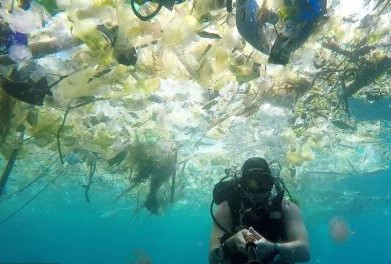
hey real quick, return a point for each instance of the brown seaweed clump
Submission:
(156, 164)
(152, 162)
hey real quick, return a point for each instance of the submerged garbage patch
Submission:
(162, 105)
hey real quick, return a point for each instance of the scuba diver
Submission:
(253, 222)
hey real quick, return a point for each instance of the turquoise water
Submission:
(61, 227)
(191, 105)
(54, 229)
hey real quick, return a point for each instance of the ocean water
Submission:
(196, 102)
(61, 227)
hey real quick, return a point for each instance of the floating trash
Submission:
(19, 53)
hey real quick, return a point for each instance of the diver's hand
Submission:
(237, 242)
(264, 247)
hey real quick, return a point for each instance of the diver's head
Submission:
(257, 180)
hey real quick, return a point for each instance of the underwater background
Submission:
(60, 227)
(113, 157)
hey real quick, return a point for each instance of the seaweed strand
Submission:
(89, 182)
(58, 135)
(30, 200)
(64, 119)
(7, 170)
(172, 198)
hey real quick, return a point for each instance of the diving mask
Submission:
(257, 190)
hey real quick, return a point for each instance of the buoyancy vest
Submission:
(266, 220)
